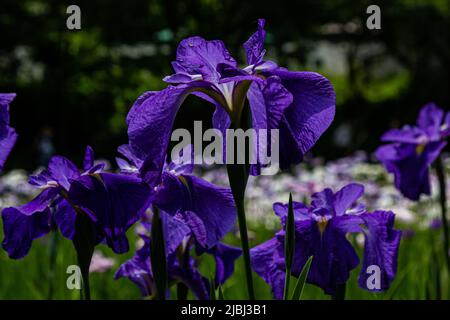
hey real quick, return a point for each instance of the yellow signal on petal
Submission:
(420, 148)
(322, 224)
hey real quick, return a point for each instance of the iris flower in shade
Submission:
(112, 201)
(180, 264)
(8, 135)
(207, 209)
(300, 104)
(321, 230)
(413, 149)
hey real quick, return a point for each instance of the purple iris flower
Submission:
(181, 266)
(414, 149)
(8, 135)
(207, 209)
(112, 201)
(300, 104)
(321, 230)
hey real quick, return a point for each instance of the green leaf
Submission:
(289, 246)
(220, 293)
(84, 243)
(158, 255)
(301, 280)
(212, 289)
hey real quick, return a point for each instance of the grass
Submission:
(29, 277)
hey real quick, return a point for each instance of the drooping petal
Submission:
(150, 123)
(212, 204)
(381, 249)
(23, 224)
(410, 166)
(138, 270)
(254, 46)
(267, 261)
(225, 256)
(334, 256)
(196, 55)
(115, 201)
(192, 278)
(65, 217)
(175, 231)
(268, 101)
(309, 115)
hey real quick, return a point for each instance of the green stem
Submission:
(287, 279)
(340, 292)
(238, 176)
(443, 202)
(84, 242)
(158, 255)
(53, 248)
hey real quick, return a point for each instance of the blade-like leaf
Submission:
(289, 246)
(301, 280)
(158, 255)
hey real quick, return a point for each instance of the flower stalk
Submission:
(158, 255)
(443, 203)
(84, 243)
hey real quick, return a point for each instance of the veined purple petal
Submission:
(225, 256)
(23, 224)
(267, 261)
(346, 197)
(430, 119)
(62, 170)
(254, 46)
(88, 160)
(150, 123)
(175, 231)
(8, 135)
(309, 115)
(117, 202)
(410, 166)
(213, 205)
(65, 217)
(405, 135)
(381, 248)
(196, 55)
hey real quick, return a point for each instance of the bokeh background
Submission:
(76, 87)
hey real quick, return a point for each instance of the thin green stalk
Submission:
(340, 292)
(443, 203)
(289, 247)
(84, 242)
(158, 255)
(53, 249)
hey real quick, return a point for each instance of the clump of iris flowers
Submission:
(8, 135)
(413, 149)
(320, 232)
(182, 268)
(88, 206)
(260, 95)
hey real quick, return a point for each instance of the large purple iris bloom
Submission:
(321, 230)
(300, 104)
(8, 135)
(209, 210)
(112, 201)
(181, 266)
(414, 149)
